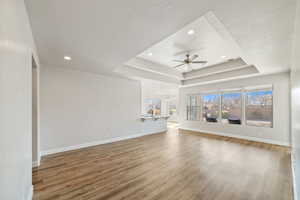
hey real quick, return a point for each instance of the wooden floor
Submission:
(173, 166)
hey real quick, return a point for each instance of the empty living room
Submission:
(149, 100)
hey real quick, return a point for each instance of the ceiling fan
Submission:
(188, 61)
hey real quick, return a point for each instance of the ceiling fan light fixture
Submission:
(150, 54)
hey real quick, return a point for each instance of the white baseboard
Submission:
(89, 144)
(269, 141)
(30, 193)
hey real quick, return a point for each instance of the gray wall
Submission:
(279, 134)
(16, 46)
(295, 105)
(79, 108)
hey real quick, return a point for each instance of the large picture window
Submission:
(251, 107)
(211, 107)
(193, 107)
(232, 108)
(259, 108)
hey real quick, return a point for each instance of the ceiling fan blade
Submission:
(199, 62)
(193, 57)
(179, 53)
(179, 65)
(181, 61)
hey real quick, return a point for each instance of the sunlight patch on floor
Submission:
(173, 125)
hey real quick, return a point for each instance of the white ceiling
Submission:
(211, 41)
(102, 35)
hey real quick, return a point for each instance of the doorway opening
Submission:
(35, 115)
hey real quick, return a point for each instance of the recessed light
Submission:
(191, 32)
(150, 54)
(67, 58)
(223, 57)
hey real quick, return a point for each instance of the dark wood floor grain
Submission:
(172, 166)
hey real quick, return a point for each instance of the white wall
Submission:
(279, 134)
(16, 48)
(80, 108)
(295, 105)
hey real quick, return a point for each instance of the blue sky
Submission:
(212, 97)
(259, 93)
(232, 95)
(254, 98)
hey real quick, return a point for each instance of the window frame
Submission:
(219, 102)
(244, 100)
(188, 106)
(246, 103)
(240, 91)
(152, 99)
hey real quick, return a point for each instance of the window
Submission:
(254, 107)
(152, 107)
(172, 109)
(193, 107)
(259, 108)
(211, 107)
(232, 108)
